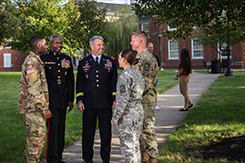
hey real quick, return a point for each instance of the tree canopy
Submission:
(41, 17)
(211, 16)
(9, 23)
(74, 21)
(123, 28)
(91, 21)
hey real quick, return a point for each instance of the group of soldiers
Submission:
(46, 89)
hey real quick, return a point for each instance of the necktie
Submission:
(97, 60)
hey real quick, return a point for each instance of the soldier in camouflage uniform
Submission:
(33, 99)
(128, 114)
(148, 67)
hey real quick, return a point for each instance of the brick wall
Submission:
(17, 58)
(238, 51)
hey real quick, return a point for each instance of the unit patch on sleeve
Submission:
(122, 88)
(147, 66)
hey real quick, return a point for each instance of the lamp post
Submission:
(228, 71)
(160, 56)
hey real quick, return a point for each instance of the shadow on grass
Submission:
(213, 131)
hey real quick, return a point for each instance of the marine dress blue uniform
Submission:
(60, 78)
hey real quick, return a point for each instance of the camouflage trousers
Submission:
(35, 136)
(148, 139)
(129, 139)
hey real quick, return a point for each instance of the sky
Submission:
(115, 1)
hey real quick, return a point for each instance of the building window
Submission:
(197, 49)
(173, 49)
(145, 28)
(7, 60)
(224, 51)
(172, 27)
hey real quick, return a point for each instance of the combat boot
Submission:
(144, 157)
(153, 160)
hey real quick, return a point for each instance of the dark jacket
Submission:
(60, 78)
(96, 84)
(158, 61)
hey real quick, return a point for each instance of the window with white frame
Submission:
(173, 49)
(7, 60)
(224, 50)
(145, 28)
(172, 27)
(197, 49)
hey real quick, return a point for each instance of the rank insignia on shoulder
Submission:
(80, 59)
(113, 58)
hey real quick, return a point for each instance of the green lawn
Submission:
(220, 113)
(12, 132)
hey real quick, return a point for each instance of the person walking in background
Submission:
(129, 114)
(183, 73)
(148, 67)
(33, 99)
(96, 92)
(60, 78)
(150, 48)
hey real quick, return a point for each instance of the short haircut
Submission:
(35, 40)
(142, 35)
(150, 43)
(55, 35)
(92, 39)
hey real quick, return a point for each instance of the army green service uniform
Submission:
(33, 100)
(148, 67)
(129, 114)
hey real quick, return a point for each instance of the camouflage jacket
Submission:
(33, 89)
(148, 67)
(130, 87)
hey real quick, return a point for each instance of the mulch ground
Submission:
(231, 149)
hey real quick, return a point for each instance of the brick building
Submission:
(170, 50)
(10, 60)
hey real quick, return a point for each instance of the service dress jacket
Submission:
(96, 83)
(60, 78)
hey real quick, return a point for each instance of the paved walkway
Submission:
(167, 119)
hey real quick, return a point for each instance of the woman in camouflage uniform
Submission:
(129, 114)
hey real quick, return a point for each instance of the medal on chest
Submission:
(86, 67)
(65, 63)
(108, 64)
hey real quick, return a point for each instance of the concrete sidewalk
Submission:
(167, 119)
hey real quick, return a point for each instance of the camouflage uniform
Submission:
(148, 67)
(32, 102)
(128, 114)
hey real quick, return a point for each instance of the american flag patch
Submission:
(30, 71)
